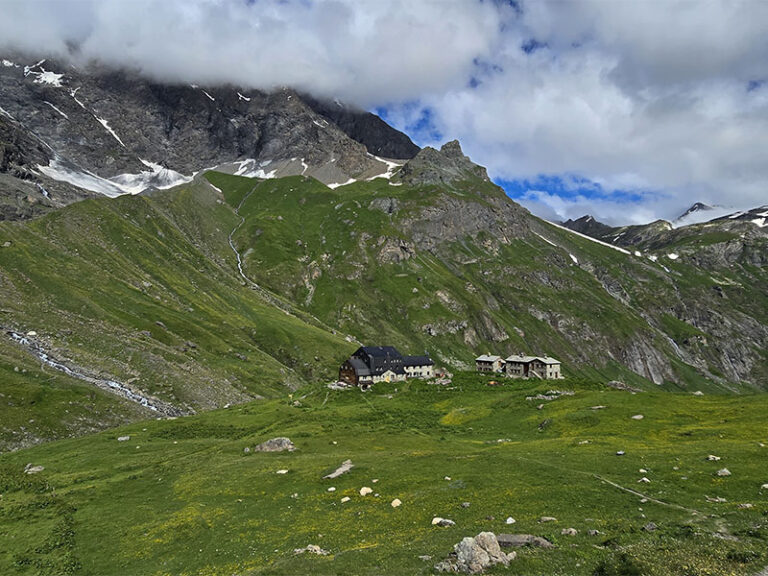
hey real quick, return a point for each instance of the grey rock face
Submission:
(106, 122)
(444, 166)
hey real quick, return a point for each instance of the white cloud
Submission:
(643, 96)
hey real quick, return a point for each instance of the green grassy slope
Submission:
(182, 497)
(120, 289)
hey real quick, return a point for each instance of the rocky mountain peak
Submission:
(441, 167)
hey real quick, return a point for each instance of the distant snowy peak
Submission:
(699, 213)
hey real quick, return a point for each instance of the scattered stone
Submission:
(650, 527)
(474, 555)
(7, 244)
(331, 489)
(280, 444)
(345, 467)
(375, 480)
(643, 480)
(583, 442)
(29, 469)
(283, 471)
(713, 458)
(643, 471)
(540, 407)
(311, 549)
(123, 438)
(716, 499)
(593, 532)
(425, 557)
(520, 540)
(698, 393)
(345, 499)
(598, 407)
(365, 490)
(764, 487)
(395, 503)
(745, 506)
(643, 500)
(675, 467)
(31, 333)
(621, 386)
(638, 417)
(569, 532)
(247, 449)
(544, 519)
(620, 453)
(447, 478)
(545, 424)
(510, 520)
(444, 522)
(723, 472)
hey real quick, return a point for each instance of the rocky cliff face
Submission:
(114, 132)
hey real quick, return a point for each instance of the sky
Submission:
(626, 110)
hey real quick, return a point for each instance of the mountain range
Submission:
(173, 248)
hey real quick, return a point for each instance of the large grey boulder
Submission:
(280, 444)
(474, 555)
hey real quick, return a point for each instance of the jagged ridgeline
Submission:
(210, 288)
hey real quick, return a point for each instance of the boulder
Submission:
(365, 490)
(475, 555)
(547, 519)
(713, 458)
(569, 532)
(311, 549)
(29, 469)
(444, 522)
(123, 438)
(520, 540)
(345, 467)
(395, 503)
(280, 444)
(723, 472)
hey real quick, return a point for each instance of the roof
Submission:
(360, 367)
(381, 351)
(418, 361)
(527, 359)
(521, 359)
(488, 358)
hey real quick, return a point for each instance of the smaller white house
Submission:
(489, 363)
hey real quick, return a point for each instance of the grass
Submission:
(182, 497)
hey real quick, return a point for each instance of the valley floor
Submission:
(185, 497)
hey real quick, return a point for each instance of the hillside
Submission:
(184, 496)
(145, 291)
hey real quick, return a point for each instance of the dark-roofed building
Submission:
(371, 364)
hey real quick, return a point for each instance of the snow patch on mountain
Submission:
(211, 98)
(700, 213)
(57, 110)
(391, 168)
(595, 240)
(156, 177)
(334, 185)
(73, 93)
(5, 113)
(250, 169)
(108, 129)
(9, 64)
(243, 98)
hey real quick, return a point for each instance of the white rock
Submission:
(437, 521)
(643, 480)
(283, 471)
(698, 393)
(764, 487)
(395, 503)
(638, 417)
(713, 458)
(123, 438)
(29, 469)
(375, 480)
(345, 499)
(643, 471)
(331, 489)
(365, 490)
(31, 333)
(510, 520)
(724, 472)
(447, 478)
(569, 532)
